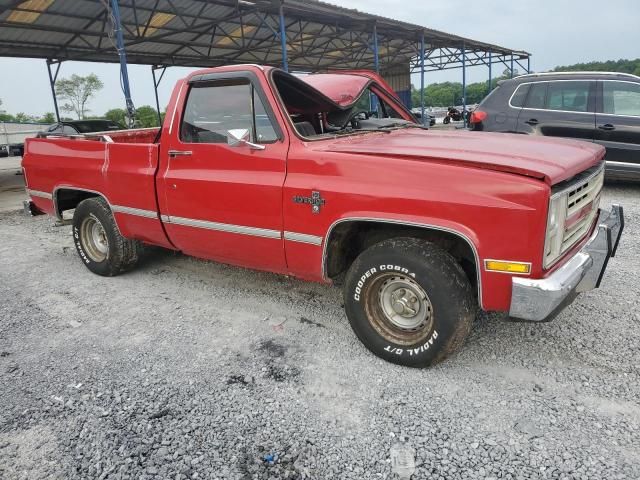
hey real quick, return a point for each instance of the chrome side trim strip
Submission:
(622, 164)
(224, 227)
(134, 211)
(37, 193)
(303, 238)
(413, 224)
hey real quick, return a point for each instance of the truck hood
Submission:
(345, 87)
(549, 159)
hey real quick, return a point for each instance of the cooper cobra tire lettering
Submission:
(381, 268)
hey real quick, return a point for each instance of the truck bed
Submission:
(120, 165)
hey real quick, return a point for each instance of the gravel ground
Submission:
(189, 369)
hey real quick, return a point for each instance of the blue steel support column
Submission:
(464, 85)
(376, 61)
(422, 79)
(490, 72)
(511, 66)
(283, 41)
(124, 74)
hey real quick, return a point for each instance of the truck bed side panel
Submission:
(122, 173)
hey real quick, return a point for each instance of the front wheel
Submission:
(409, 302)
(99, 243)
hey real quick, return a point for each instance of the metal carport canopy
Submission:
(303, 35)
(202, 33)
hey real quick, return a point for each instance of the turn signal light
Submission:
(507, 267)
(477, 116)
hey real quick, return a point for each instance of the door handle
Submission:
(532, 121)
(606, 126)
(179, 153)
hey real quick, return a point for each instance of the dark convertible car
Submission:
(593, 106)
(76, 127)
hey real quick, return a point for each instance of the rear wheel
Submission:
(409, 302)
(98, 241)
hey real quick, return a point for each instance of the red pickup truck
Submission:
(328, 177)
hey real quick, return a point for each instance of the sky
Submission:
(555, 32)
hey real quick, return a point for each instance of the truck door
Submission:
(618, 124)
(222, 199)
(559, 108)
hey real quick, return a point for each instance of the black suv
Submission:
(592, 106)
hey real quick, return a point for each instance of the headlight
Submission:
(555, 228)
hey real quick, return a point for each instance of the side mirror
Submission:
(241, 136)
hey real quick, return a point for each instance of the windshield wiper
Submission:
(399, 126)
(362, 130)
(386, 129)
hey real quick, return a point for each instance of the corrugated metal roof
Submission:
(216, 32)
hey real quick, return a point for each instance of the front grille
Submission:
(583, 200)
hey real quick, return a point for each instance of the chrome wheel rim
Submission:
(94, 239)
(399, 309)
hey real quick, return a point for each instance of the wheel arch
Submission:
(335, 260)
(67, 197)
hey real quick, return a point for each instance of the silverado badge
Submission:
(315, 200)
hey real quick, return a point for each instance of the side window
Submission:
(537, 95)
(214, 108)
(264, 129)
(568, 96)
(69, 130)
(517, 100)
(621, 98)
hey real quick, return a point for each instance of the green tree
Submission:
(447, 94)
(7, 117)
(146, 116)
(77, 91)
(118, 115)
(23, 117)
(48, 117)
(620, 66)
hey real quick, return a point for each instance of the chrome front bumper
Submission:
(540, 300)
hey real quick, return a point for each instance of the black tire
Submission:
(404, 276)
(99, 243)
